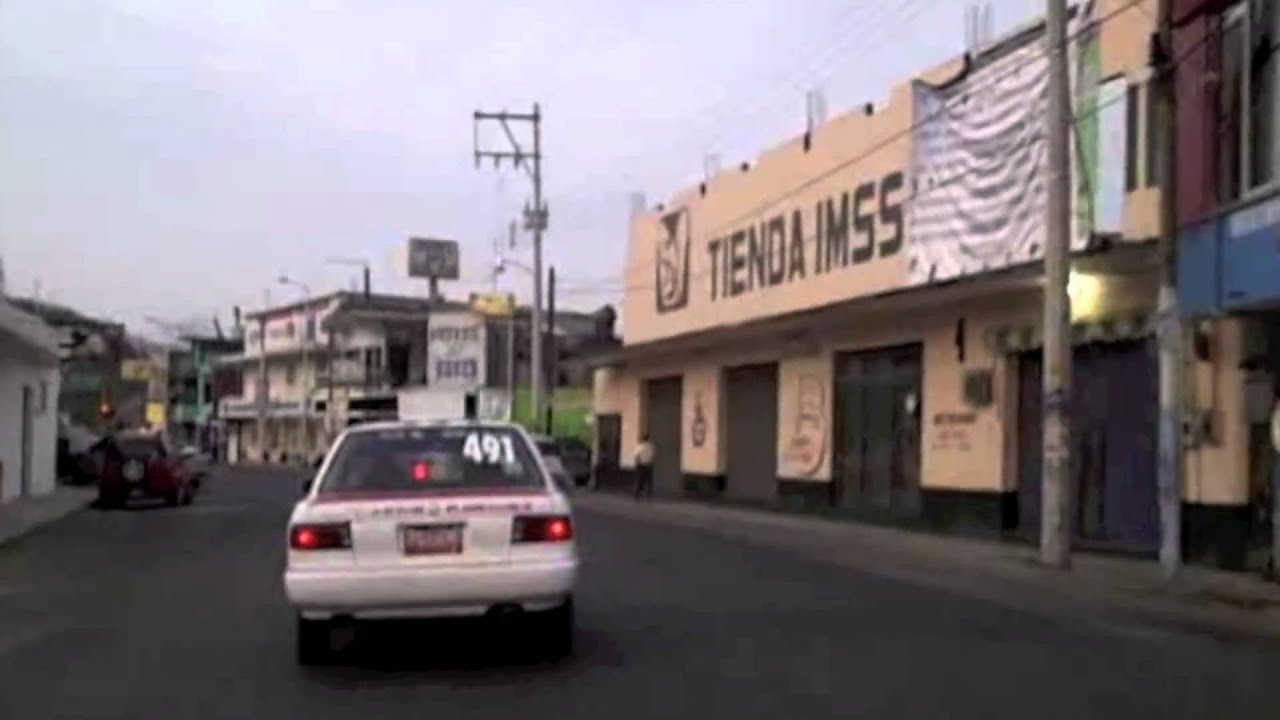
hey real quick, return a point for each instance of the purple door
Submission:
(1113, 440)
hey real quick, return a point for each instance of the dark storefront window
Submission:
(1263, 39)
(877, 428)
(1131, 139)
(1248, 99)
(1230, 103)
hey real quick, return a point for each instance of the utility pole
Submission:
(1055, 541)
(535, 217)
(262, 385)
(330, 412)
(1169, 330)
(552, 370)
(511, 331)
(511, 358)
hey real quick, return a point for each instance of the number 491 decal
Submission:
(489, 449)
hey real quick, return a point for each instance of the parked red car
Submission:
(141, 465)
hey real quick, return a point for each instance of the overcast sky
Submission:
(172, 157)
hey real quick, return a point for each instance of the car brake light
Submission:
(327, 536)
(541, 529)
(421, 472)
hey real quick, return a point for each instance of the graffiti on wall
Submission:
(672, 262)
(698, 428)
(806, 448)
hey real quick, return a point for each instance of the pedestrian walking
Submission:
(644, 468)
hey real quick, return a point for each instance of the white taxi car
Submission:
(407, 520)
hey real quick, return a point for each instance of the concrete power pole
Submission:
(1055, 541)
(553, 369)
(535, 219)
(1169, 330)
(262, 386)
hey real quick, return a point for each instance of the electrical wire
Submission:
(720, 113)
(875, 148)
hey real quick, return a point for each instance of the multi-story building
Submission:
(1228, 202)
(279, 367)
(198, 382)
(349, 357)
(853, 322)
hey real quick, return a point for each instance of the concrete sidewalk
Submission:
(1201, 600)
(19, 517)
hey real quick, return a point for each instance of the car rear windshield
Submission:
(138, 448)
(429, 460)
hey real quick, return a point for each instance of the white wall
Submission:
(456, 356)
(14, 373)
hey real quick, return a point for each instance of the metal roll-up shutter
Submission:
(663, 425)
(751, 466)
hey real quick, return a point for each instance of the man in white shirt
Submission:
(644, 468)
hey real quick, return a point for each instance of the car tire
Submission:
(314, 640)
(188, 496)
(557, 631)
(110, 500)
(174, 497)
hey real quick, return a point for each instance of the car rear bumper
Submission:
(428, 592)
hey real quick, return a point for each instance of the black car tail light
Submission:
(541, 528)
(320, 536)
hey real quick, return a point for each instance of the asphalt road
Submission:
(179, 613)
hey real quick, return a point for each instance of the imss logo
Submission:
(671, 266)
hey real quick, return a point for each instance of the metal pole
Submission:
(262, 385)
(1055, 547)
(307, 444)
(1169, 330)
(538, 221)
(330, 412)
(368, 282)
(552, 352)
(1275, 485)
(511, 361)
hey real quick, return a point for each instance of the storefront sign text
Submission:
(777, 251)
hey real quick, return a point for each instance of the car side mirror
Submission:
(306, 486)
(316, 465)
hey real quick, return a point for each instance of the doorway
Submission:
(877, 426)
(27, 439)
(751, 457)
(1112, 501)
(662, 423)
(608, 446)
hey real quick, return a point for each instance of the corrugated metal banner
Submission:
(979, 166)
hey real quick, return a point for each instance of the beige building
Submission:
(852, 321)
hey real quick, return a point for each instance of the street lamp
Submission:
(307, 331)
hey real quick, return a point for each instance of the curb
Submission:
(992, 571)
(24, 517)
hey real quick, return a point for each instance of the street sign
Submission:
(430, 258)
(494, 304)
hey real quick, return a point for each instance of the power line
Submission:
(764, 101)
(908, 9)
(875, 148)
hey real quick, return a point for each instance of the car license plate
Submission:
(133, 471)
(432, 540)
